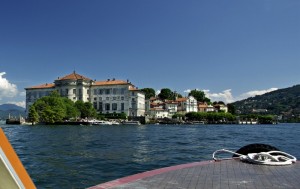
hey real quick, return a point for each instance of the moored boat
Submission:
(131, 123)
(100, 122)
(15, 120)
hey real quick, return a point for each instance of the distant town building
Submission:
(109, 96)
(202, 106)
(157, 108)
(221, 108)
(188, 104)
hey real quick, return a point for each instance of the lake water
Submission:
(83, 156)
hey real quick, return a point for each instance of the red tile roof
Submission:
(42, 86)
(181, 99)
(110, 82)
(73, 76)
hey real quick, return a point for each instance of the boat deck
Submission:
(226, 174)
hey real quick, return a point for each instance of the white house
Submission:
(171, 107)
(110, 96)
(158, 113)
(188, 104)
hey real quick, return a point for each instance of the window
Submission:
(122, 106)
(88, 91)
(95, 105)
(100, 91)
(67, 91)
(114, 98)
(74, 91)
(115, 91)
(107, 106)
(107, 91)
(123, 90)
(95, 99)
(122, 97)
(132, 93)
(100, 106)
(80, 91)
(107, 98)
(114, 106)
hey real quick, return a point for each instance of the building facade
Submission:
(157, 108)
(110, 96)
(188, 104)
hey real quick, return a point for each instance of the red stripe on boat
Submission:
(139, 176)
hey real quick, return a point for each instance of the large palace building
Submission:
(110, 96)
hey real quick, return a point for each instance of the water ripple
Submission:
(79, 157)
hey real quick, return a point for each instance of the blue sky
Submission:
(231, 49)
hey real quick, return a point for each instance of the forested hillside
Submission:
(282, 102)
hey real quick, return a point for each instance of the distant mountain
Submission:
(6, 107)
(12, 110)
(285, 102)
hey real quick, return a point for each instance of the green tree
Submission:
(231, 109)
(177, 115)
(33, 115)
(86, 109)
(218, 102)
(71, 110)
(175, 95)
(166, 94)
(53, 111)
(210, 117)
(81, 108)
(149, 92)
(199, 95)
(179, 95)
(265, 119)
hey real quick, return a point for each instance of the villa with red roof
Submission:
(109, 96)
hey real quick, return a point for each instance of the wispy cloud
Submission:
(7, 89)
(227, 96)
(21, 103)
(254, 93)
(22, 93)
(157, 92)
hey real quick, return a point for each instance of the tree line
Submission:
(54, 108)
(168, 94)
